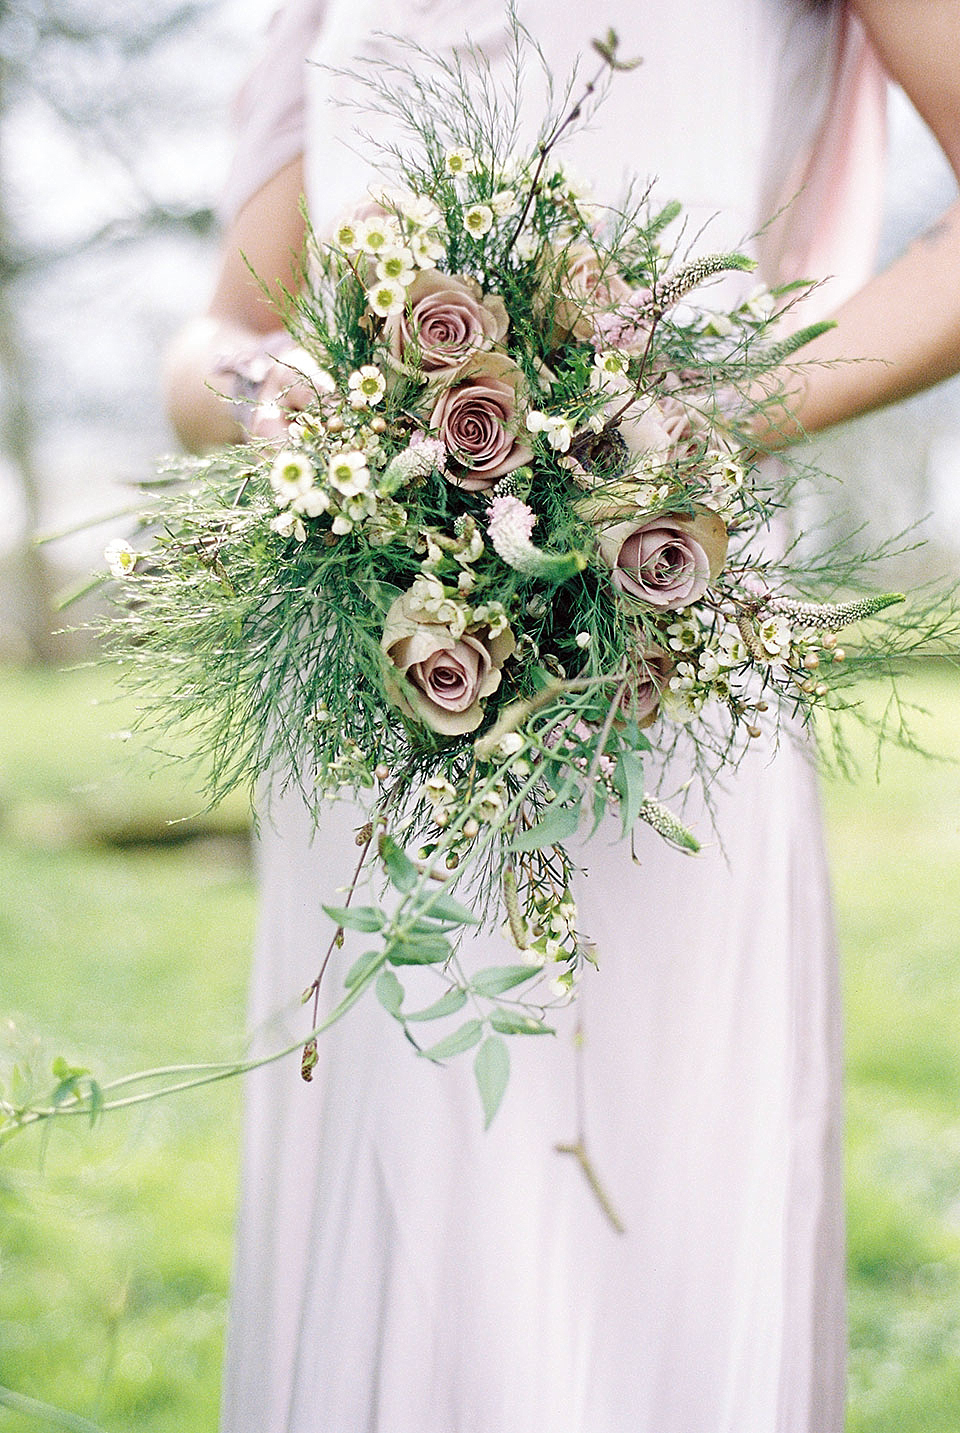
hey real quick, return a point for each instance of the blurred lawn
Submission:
(114, 1245)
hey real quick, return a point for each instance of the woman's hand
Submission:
(234, 374)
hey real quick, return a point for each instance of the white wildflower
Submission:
(289, 524)
(527, 245)
(367, 386)
(418, 209)
(378, 236)
(398, 267)
(557, 430)
(291, 476)
(731, 648)
(387, 298)
(120, 557)
(478, 220)
(493, 615)
(348, 472)
(427, 250)
(311, 503)
(346, 237)
(775, 637)
(490, 806)
(504, 203)
(583, 640)
(759, 303)
(684, 635)
(459, 161)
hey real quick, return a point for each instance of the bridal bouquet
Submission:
(509, 573)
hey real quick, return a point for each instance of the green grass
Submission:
(115, 1243)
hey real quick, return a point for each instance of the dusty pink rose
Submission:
(589, 285)
(449, 676)
(653, 670)
(476, 418)
(667, 561)
(447, 318)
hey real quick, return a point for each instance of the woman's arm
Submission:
(907, 319)
(262, 247)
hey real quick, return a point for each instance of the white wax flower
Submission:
(504, 203)
(348, 472)
(367, 386)
(289, 524)
(478, 220)
(120, 557)
(459, 161)
(377, 236)
(387, 298)
(291, 476)
(398, 267)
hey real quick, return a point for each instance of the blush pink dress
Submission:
(398, 1270)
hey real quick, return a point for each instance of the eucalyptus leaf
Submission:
(420, 950)
(362, 918)
(492, 1070)
(446, 908)
(555, 827)
(628, 782)
(514, 1022)
(364, 966)
(389, 992)
(463, 1038)
(448, 1004)
(401, 870)
(495, 979)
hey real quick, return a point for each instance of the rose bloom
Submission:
(446, 319)
(449, 677)
(667, 561)
(476, 418)
(589, 285)
(653, 670)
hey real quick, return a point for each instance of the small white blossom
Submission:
(120, 557)
(583, 640)
(719, 325)
(775, 637)
(378, 236)
(346, 237)
(478, 220)
(759, 303)
(367, 386)
(504, 203)
(419, 209)
(557, 430)
(289, 524)
(509, 744)
(731, 649)
(527, 245)
(311, 503)
(611, 361)
(398, 267)
(684, 635)
(490, 806)
(427, 251)
(459, 161)
(387, 298)
(708, 665)
(291, 476)
(494, 616)
(348, 473)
